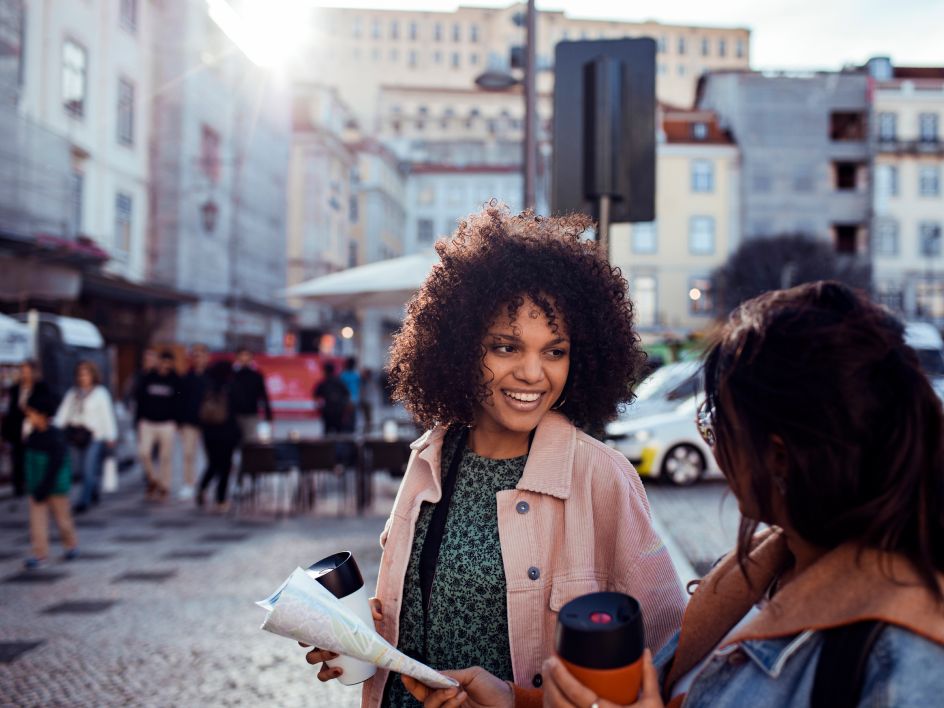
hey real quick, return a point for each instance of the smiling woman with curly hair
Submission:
(521, 337)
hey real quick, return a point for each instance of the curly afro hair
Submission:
(495, 260)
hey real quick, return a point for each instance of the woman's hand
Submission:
(320, 656)
(477, 689)
(562, 690)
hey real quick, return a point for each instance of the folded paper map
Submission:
(303, 610)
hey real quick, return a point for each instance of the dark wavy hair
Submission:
(495, 260)
(829, 372)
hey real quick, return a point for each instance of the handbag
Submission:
(78, 436)
(110, 475)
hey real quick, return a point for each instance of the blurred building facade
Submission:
(219, 155)
(908, 201)
(668, 262)
(804, 150)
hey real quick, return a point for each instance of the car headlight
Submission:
(641, 436)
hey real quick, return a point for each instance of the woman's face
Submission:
(525, 368)
(83, 377)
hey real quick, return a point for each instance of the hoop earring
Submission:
(557, 406)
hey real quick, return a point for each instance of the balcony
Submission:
(909, 147)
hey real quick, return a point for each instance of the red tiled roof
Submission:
(678, 128)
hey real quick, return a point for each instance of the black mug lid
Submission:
(338, 574)
(602, 630)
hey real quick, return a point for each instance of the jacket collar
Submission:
(549, 469)
(846, 585)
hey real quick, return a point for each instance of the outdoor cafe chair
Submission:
(318, 461)
(379, 455)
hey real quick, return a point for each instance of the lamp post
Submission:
(502, 81)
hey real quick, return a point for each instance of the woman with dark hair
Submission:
(15, 427)
(520, 339)
(87, 417)
(827, 431)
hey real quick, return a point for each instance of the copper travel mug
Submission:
(600, 640)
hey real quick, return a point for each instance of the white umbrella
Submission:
(387, 283)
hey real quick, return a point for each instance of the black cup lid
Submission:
(338, 573)
(602, 630)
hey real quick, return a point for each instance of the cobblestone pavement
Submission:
(175, 623)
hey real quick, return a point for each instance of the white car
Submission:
(657, 433)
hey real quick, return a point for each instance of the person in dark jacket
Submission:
(194, 386)
(48, 477)
(221, 433)
(14, 421)
(158, 413)
(333, 398)
(249, 393)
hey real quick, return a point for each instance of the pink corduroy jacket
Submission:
(577, 522)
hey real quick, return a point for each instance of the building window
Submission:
(394, 55)
(886, 239)
(473, 33)
(394, 29)
(846, 173)
(437, 57)
(703, 176)
(455, 60)
(352, 254)
(210, 153)
(427, 195)
(927, 127)
(356, 28)
(886, 181)
(424, 230)
(803, 178)
(644, 237)
(375, 54)
(846, 125)
(77, 196)
(739, 48)
(699, 131)
(663, 44)
(411, 57)
(701, 235)
(474, 59)
(457, 32)
(680, 70)
(887, 126)
(644, 298)
(705, 46)
(681, 45)
(125, 112)
(929, 181)
(437, 32)
(128, 15)
(846, 238)
(929, 297)
(929, 238)
(123, 204)
(722, 47)
(890, 295)
(375, 29)
(352, 211)
(414, 31)
(700, 296)
(74, 78)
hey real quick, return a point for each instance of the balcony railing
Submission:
(910, 147)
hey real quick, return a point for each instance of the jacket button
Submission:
(537, 681)
(534, 573)
(522, 507)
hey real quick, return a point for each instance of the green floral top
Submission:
(468, 617)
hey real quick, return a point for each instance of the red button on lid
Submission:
(600, 618)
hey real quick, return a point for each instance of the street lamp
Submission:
(502, 81)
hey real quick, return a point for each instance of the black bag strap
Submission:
(429, 556)
(843, 657)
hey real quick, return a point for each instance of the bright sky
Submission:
(786, 34)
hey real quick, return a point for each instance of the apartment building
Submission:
(668, 262)
(908, 200)
(804, 148)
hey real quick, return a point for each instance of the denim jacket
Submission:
(772, 660)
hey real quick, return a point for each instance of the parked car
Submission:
(657, 433)
(926, 340)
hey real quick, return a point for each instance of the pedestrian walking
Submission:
(520, 339)
(249, 395)
(351, 379)
(829, 433)
(193, 389)
(220, 430)
(158, 411)
(48, 478)
(87, 417)
(333, 399)
(15, 427)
